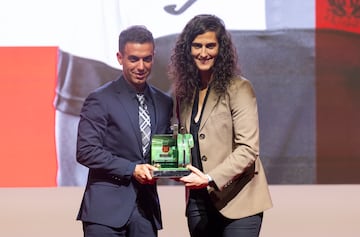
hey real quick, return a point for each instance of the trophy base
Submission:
(171, 173)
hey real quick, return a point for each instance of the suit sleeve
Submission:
(91, 151)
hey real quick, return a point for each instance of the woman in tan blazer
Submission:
(227, 191)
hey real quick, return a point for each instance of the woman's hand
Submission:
(196, 179)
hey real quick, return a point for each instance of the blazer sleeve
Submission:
(244, 135)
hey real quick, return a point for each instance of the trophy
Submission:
(170, 153)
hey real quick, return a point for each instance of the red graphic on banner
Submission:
(338, 14)
(337, 63)
(27, 137)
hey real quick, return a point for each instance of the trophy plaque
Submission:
(170, 153)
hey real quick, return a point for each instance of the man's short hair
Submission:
(135, 34)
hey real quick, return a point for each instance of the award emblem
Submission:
(170, 153)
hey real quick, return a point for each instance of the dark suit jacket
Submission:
(109, 144)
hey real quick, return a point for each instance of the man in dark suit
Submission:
(120, 197)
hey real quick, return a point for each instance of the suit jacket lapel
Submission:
(155, 100)
(127, 102)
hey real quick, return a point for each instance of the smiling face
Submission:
(137, 61)
(204, 49)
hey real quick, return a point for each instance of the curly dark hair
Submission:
(182, 68)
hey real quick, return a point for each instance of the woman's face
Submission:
(204, 49)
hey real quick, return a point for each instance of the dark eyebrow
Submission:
(148, 58)
(134, 58)
(211, 44)
(208, 45)
(194, 44)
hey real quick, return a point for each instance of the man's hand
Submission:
(196, 179)
(142, 173)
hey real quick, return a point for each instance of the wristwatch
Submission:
(211, 182)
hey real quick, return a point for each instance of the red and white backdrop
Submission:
(302, 56)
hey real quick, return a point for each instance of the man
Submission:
(120, 197)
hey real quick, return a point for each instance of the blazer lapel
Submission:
(185, 114)
(209, 107)
(185, 111)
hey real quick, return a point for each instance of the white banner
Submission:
(90, 28)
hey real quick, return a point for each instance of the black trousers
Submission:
(205, 220)
(137, 226)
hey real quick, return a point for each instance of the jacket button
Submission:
(204, 158)
(202, 136)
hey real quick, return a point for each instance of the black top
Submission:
(194, 129)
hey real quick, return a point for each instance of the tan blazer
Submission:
(229, 150)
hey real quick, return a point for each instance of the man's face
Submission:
(204, 49)
(137, 61)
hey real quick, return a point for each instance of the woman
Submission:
(227, 190)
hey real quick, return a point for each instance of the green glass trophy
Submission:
(170, 153)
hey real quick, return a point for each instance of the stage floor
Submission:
(299, 210)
